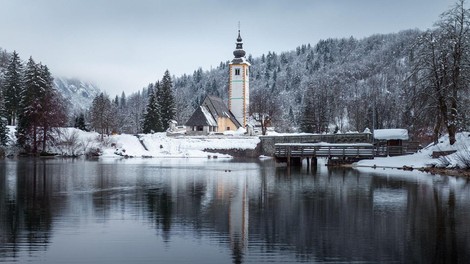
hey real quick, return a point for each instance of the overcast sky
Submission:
(122, 45)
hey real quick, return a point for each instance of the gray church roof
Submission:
(201, 117)
(211, 108)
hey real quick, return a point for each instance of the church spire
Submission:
(239, 39)
(239, 52)
(239, 83)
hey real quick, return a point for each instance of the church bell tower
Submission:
(239, 84)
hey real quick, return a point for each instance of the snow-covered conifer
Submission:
(3, 120)
(166, 100)
(12, 87)
(80, 123)
(152, 118)
(26, 132)
(41, 108)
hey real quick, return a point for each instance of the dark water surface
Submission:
(224, 211)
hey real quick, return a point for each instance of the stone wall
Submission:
(239, 153)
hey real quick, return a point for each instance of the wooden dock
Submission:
(294, 153)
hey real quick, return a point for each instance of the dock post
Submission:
(288, 157)
(314, 162)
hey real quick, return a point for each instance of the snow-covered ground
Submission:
(160, 145)
(77, 142)
(424, 157)
(73, 141)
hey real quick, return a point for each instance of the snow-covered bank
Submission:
(75, 142)
(424, 157)
(160, 145)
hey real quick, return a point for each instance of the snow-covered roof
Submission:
(241, 60)
(208, 116)
(201, 117)
(208, 113)
(391, 134)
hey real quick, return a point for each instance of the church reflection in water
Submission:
(252, 209)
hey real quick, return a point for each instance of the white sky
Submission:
(122, 45)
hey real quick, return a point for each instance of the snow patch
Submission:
(391, 134)
(424, 157)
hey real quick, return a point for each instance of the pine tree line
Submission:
(146, 111)
(3, 122)
(30, 102)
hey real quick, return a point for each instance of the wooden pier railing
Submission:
(297, 151)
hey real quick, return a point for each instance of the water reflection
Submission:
(144, 211)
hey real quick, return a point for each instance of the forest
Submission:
(412, 79)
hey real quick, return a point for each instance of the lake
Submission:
(227, 211)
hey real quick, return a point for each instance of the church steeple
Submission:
(239, 83)
(239, 52)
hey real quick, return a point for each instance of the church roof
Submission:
(218, 108)
(210, 110)
(201, 117)
(242, 60)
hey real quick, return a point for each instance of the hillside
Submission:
(344, 76)
(80, 94)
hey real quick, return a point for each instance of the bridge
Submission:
(294, 153)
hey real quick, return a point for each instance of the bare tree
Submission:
(264, 108)
(102, 114)
(442, 66)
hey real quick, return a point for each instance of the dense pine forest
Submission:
(410, 79)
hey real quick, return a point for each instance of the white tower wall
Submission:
(239, 92)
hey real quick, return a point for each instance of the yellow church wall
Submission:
(223, 123)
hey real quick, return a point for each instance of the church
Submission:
(213, 116)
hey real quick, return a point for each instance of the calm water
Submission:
(222, 211)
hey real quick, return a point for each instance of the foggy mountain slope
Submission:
(80, 94)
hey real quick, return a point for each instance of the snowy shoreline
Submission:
(75, 142)
(423, 158)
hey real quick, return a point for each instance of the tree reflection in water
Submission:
(254, 210)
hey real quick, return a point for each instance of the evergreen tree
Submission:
(122, 103)
(30, 105)
(308, 122)
(166, 100)
(41, 108)
(52, 112)
(116, 101)
(152, 117)
(12, 88)
(80, 122)
(102, 114)
(3, 128)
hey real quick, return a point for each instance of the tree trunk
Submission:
(263, 127)
(452, 130)
(35, 142)
(437, 128)
(44, 138)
